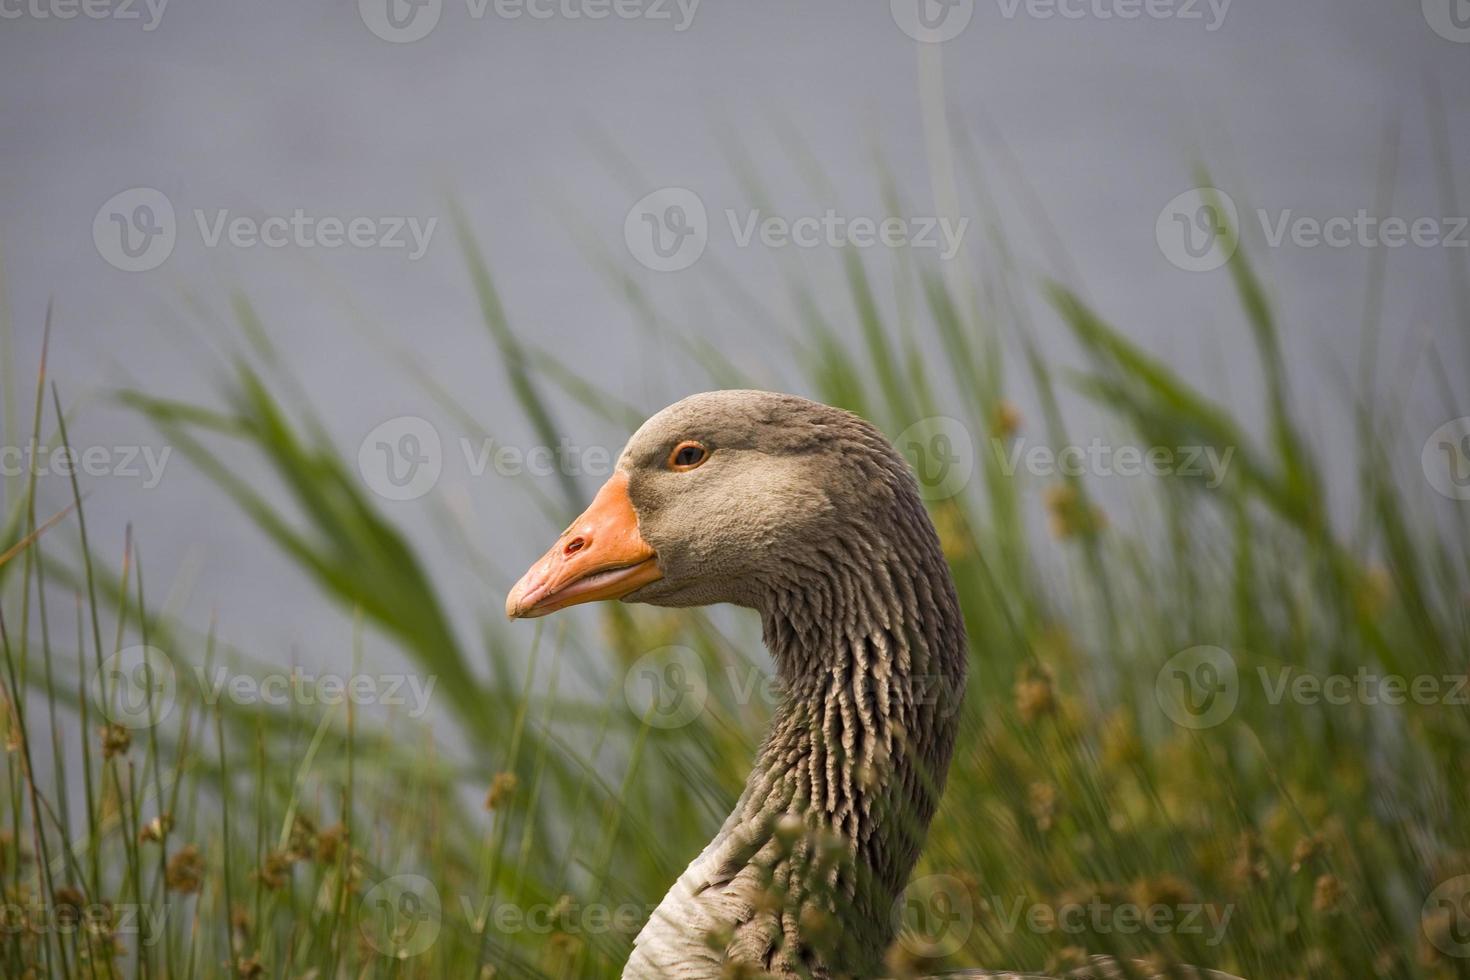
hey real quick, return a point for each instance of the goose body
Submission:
(806, 514)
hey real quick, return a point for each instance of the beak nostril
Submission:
(575, 545)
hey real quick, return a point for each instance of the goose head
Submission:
(724, 497)
(807, 514)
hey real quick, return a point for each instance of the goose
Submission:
(806, 514)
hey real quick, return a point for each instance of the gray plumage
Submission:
(806, 514)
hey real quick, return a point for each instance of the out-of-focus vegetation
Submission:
(1300, 840)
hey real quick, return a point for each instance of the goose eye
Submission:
(687, 455)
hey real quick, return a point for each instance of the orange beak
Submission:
(601, 556)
